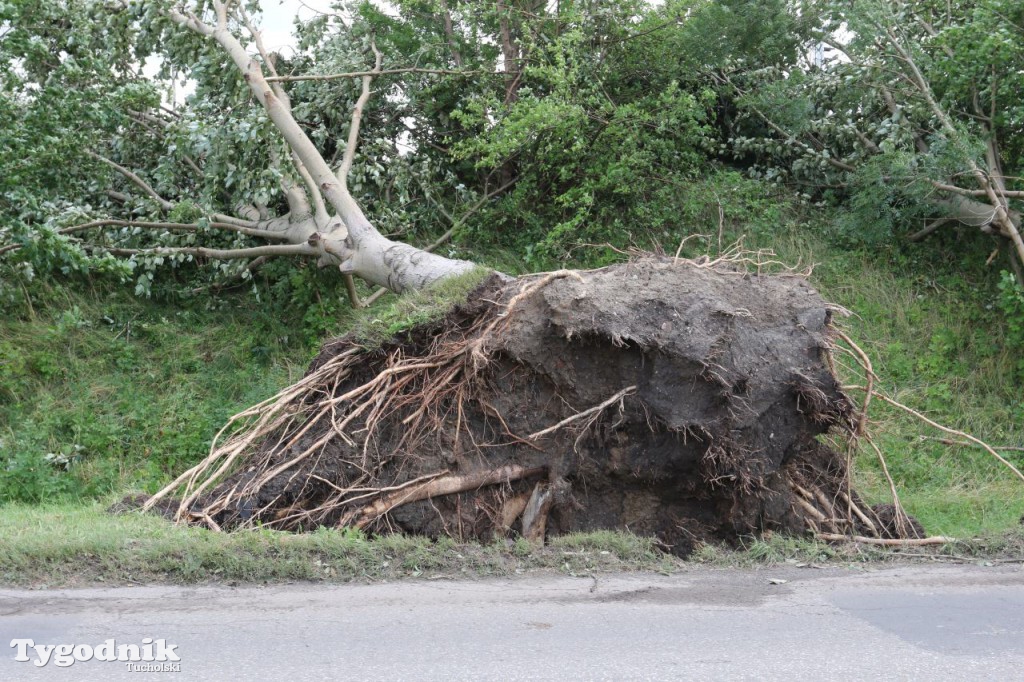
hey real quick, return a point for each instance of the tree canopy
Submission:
(135, 142)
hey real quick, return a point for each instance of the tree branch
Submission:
(928, 229)
(319, 207)
(173, 227)
(380, 72)
(297, 205)
(867, 142)
(999, 204)
(1010, 194)
(357, 245)
(449, 33)
(180, 227)
(234, 280)
(217, 254)
(232, 220)
(338, 195)
(887, 542)
(461, 220)
(357, 116)
(164, 204)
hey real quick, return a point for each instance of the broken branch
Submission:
(164, 204)
(219, 254)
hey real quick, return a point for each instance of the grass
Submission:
(774, 549)
(103, 393)
(73, 545)
(374, 325)
(77, 544)
(939, 351)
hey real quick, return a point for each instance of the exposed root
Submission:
(869, 373)
(971, 440)
(511, 509)
(901, 522)
(208, 520)
(860, 431)
(445, 485)
(806, 505)
(535, 515)
(868, 523)
(743, 260)
(283, 435)
(815, 503)
(592, 413)
(954, 432)
(968, 444)
(888, 542)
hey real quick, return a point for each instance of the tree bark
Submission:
(979, 214)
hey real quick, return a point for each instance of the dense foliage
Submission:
(908, 112)
(536, 128)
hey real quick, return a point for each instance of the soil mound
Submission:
(669, 397)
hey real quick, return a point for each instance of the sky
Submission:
(279, 19)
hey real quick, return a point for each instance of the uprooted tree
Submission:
(673, 397)
(681, 397)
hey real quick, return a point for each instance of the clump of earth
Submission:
(668, 397)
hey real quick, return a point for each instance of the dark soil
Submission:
(733, 385)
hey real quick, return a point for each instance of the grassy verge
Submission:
(992, 548)
(104, 393)
(80, 545)
(77, 545)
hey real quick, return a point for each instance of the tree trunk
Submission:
(979, 214)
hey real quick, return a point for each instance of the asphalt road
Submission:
(905, 623)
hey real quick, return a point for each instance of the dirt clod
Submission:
(673, 398)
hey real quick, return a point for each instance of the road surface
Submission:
(905, 623)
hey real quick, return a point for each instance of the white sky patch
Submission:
(278, 21)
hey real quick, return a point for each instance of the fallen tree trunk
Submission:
(668, 397)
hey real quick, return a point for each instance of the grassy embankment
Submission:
(104, 393)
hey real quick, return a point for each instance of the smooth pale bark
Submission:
(978, 214)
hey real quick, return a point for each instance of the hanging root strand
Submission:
(901, 523)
